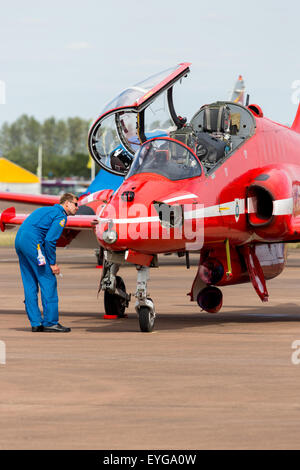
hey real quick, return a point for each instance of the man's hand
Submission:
(55, 268)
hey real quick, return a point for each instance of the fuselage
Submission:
(220, 201)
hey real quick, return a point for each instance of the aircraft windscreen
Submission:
(167, 158)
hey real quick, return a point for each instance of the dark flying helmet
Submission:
(120, 160)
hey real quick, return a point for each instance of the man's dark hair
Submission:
(67, 197)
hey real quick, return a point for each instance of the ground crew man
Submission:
(36, 248)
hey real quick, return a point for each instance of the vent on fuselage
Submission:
(260, 206)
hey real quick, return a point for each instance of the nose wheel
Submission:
(146, 316)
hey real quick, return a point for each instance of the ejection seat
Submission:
(216, 119)
(222, 126)
(210, 136)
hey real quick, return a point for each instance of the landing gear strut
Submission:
(144, 306)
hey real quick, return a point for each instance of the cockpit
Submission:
(121, 139)
(220, 129)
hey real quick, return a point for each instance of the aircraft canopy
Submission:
(140, 112)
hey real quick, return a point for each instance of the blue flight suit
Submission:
(43, 226)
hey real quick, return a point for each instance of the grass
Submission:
(293, 246)
(7, 238)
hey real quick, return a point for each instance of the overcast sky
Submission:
(68, 58)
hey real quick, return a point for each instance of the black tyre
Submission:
(99, 256)
(146, 319)
(113, 303)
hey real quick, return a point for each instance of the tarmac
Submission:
(199, 381)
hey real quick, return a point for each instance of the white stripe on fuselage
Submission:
(180, 198)
(280, 207)
(283, 206)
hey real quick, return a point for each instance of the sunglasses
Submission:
(75, 203)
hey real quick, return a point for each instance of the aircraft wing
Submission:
(35, 199)
(79, 229)
(75, 227)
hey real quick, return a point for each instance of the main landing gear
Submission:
(116, 299)
(115, 303)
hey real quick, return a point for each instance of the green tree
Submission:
(78, 131)
(48, 136)
(64, 144)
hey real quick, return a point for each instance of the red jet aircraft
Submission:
(225, 185)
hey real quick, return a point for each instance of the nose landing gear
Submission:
(116, 299)
(144, 306)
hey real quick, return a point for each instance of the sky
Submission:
(69, 58)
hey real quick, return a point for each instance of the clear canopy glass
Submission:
(165, 157)
(131, 95)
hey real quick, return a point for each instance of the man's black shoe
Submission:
(35, 329)
(58, 328)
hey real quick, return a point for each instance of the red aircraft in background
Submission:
(225, 185)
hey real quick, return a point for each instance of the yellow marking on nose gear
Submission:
(224, 208)
(227, 246)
